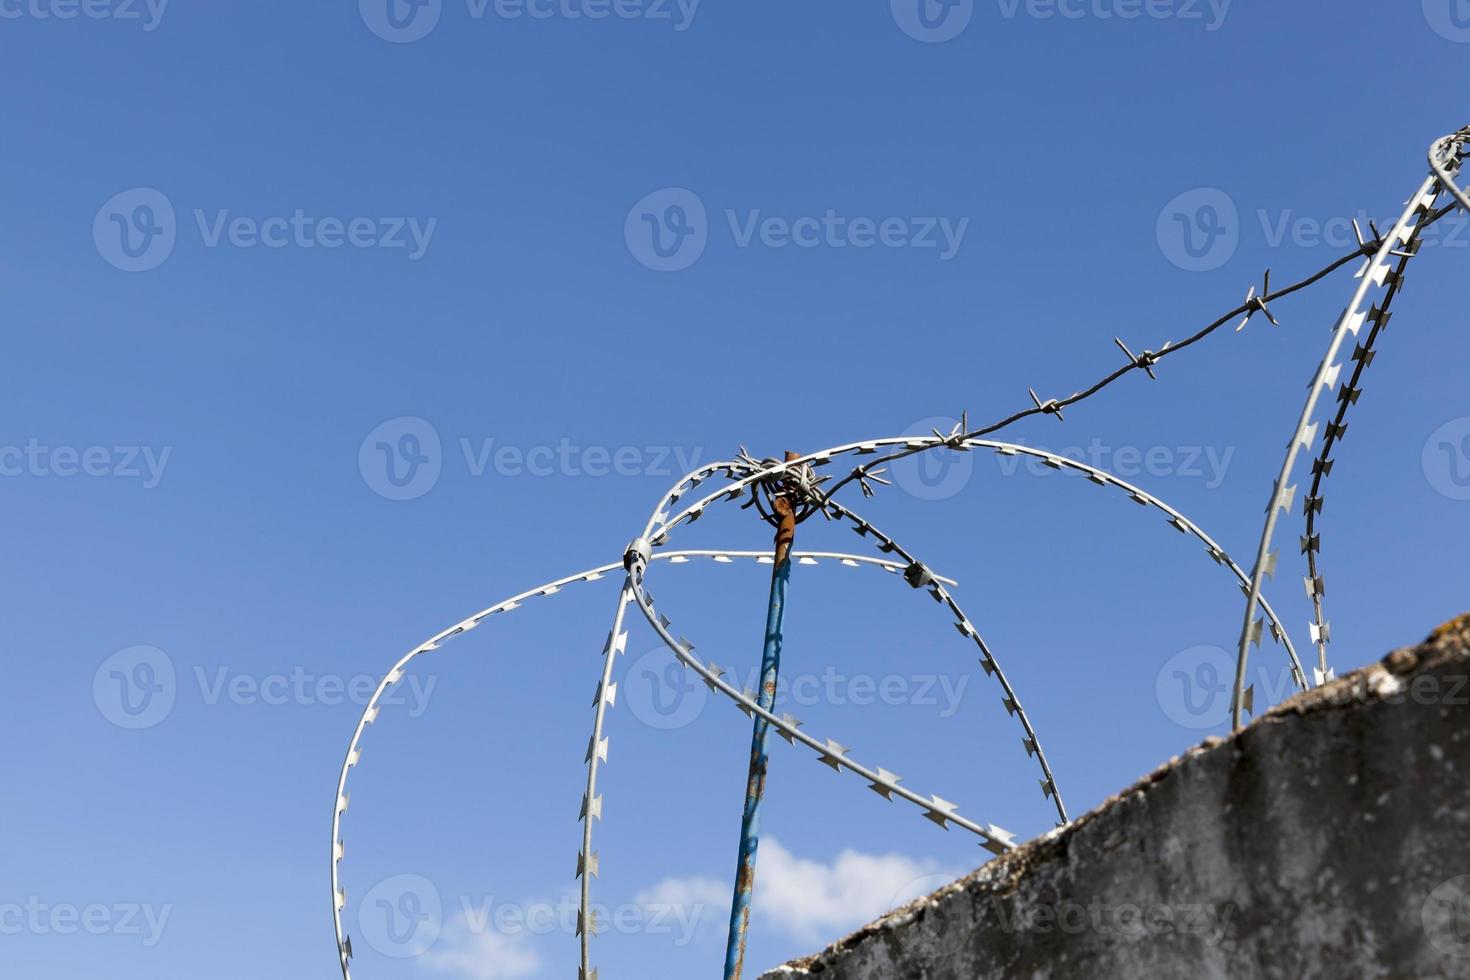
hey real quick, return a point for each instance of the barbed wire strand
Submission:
(1146, 361)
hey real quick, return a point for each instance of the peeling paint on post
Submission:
(755, 787)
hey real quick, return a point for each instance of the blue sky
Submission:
(547, 254)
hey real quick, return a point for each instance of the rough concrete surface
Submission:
(1329, 839)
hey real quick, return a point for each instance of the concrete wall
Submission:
(1327, 840)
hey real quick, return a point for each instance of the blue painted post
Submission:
(755, 787)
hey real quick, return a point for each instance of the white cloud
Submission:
(686, 891)
(815, 901)
(697, 908)
(810, 900)
(483, 954)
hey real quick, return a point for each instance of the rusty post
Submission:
(755, 787)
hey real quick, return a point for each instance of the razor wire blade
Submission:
(1385, 261)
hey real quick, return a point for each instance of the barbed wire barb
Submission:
(1257, 304)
